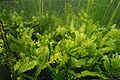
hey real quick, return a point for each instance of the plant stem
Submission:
(116, 11)
(9, 55)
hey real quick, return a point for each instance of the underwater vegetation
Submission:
(59, 39)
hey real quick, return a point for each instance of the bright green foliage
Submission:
(1, 52)
(67, 51)
(112, 65)
(86, 73)
(25, 65)
(31, 53)
(74, 46)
